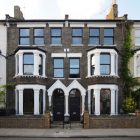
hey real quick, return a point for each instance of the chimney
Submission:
(113, 14)
(18, 13)
(66, 17)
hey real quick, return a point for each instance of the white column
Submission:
(16, 101)
(135, 65)
(112, 101)
(97, 63)
(36, 64)
(16, 65)
(44, 101)
(83, 104)
(117, 102)
(112, 64)
(50, 100)
(44, 65)
(89, 66)
(97, 101)
(36, 102)
(89, 101)
(20, 64)
(20, 102)
(66, 105)
(117, 65)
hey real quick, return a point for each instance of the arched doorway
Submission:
(58, 105)
(28, 101)
(74, 105)
(105, 101)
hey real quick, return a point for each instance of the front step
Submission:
(72, 125)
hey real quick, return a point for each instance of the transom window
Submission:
(77, 36)
(58, 66)
(104, 64)
(28, 64)
(56, 36)
(39, 36)
(94, 35)
(108, 36)
(74, 68)
(137, 36)
(24, 37)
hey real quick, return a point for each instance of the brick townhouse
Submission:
(66, 66)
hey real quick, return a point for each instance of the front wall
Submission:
(66, 43)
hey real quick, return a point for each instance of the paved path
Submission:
(69, 133)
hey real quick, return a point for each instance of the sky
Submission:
(76, 9)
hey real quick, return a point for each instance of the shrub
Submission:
(129, 105)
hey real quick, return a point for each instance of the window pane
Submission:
(38, 32)
(24, 32)
(76, 32)
(56, 40)
(104, 69)
(94, 40)
(76, 40)
(137, 40)
(39, 41)
(55, 32)
(94, 32)
(58, 63)
(74, 63)
(108, 41)
(104, 59)
(28, 69)
(137, 33)
(108, 32)
(58, 72)
(28, 59)
(74, 71)
(24, 41)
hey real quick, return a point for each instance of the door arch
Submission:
(74, 105)
(58, 105)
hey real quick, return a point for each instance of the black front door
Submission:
(58, 105)
(74, 105)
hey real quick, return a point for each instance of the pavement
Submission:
(68, 133)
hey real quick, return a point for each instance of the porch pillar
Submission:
(83, 104)
(36, 101)
(20, 104)
(66, 105)
(89, 101)
(44, 66)
(44, 101)
(112, 101)
(117, 102)
(97, 101)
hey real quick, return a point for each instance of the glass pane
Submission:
(94, 32)
(55, 32)
(104, 69)
(74, 63)
(39, 41)
(58, 63)
(28, 59)
(137, 33)
(108, 32)
(76, 32)
(28, 69)
(108, 41)
(56, 40)
(104, 59)
(24, 41)
(94, 40)
(137, 40)
(24, 32)
(76, 40)
(74, 71)
(58, 73)
(38, 32)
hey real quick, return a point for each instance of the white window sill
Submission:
(39, 45)
(73, 78)
(76, 45)
(58, 78)
(29, 76)
(93, 45)
(113, 45)
(102, 76)
(55, 45)
(24, 45)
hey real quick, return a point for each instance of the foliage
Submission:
(129, 105)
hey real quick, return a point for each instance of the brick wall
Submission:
(25, 122)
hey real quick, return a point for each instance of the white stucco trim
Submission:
(30, 24)
(102, 24)
(78, 24)
(74, 55)
(58, 55)
(30, 86)
(55, 25)
(103, 86)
